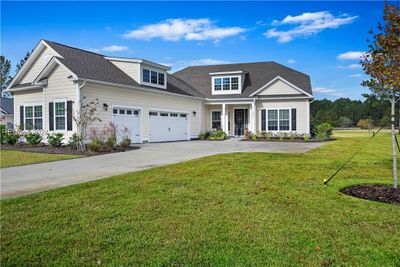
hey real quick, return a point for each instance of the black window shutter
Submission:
(21, 116)
(263, 120)
(51, 117)
(69, 115)
(294, 119)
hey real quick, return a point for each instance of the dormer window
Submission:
(226, 85)
(153, 77)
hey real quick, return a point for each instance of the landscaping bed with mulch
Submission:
(43, 148)
(374, 192)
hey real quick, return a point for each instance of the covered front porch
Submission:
(234, 118)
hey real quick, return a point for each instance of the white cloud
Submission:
(351, 66)
(180, 64)
(308, 24)
(187, 29)
(110, 49)
(206, 61)
(115, 48)
(355, 75)
(291, 61)
(351, 55)
(327, 91)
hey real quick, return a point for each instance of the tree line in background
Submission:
(346, 113)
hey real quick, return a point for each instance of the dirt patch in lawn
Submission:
(43, 148)
(374, 192)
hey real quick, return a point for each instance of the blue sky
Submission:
(322, 39)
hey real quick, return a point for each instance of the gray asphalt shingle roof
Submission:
(191, 81)
(7, 104)
(256, 75)
(93, 66)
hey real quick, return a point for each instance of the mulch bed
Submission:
(43, 148)
(374, 192)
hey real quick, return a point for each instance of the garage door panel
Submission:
(128, 123)
(173, 127)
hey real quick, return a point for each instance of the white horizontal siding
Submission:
(23, 99)
(114, 96)
(279, 88)
(38, 65)
(60, 88)
(130, 68)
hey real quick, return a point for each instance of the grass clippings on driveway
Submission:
(238, 209)
(11, 158)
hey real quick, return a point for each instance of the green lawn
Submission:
(238, 209)
(11, 158)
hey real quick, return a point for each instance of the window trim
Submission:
(59, 116)
(211, 117)
(33, 105)
(223, 91)
(277, 109)
(158, 73)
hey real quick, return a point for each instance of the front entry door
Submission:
(239, 121)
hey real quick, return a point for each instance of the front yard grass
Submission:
(237, 209)
(11, 158)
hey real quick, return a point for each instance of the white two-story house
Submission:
(152, 104)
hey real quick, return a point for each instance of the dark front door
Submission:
(239, 121)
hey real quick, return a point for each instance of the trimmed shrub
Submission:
(95, 146)
(111, 142)
(33, 138)
(73, 141)
(254, 137)
(324, 131)
(218, 135)
(12, 138)
(306, 137)
(204, 135)
(55, 139)
(125, 143)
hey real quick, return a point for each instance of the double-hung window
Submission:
(284, 120)
(153, 77)
(272, 120)
(216, 120)
(226, 84)
(234, 83)
(161, 78)
(217, 84)
(146, 75)
(278, 119)
(33, 117)
(60, 115)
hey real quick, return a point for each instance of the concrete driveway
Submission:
(38, 177)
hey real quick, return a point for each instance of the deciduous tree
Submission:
(382, 64)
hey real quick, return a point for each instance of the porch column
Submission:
(223, 118)
(253, 120)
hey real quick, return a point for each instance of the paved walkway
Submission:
(40, 177)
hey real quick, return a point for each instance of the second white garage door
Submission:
(168, 126)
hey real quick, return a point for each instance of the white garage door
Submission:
(127, 122)
(168, 126)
